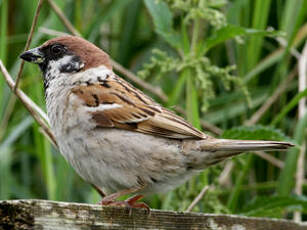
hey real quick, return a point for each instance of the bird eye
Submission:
(57, 49)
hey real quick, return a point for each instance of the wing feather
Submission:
(120, 105)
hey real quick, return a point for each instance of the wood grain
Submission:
(41, 215)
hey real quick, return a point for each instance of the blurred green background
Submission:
(220, 61)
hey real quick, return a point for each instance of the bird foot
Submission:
(129, 203)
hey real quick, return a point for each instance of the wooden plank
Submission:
(50, 215)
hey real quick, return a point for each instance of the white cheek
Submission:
(64, 60)
(92, 74)
(56, 65)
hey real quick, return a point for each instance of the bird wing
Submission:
(116, 103)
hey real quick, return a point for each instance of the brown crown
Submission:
(91, 55)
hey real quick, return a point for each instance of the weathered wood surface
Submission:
(41, 214)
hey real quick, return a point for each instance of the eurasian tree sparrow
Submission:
(116, 137)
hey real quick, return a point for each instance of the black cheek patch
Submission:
(68, 68)
(75, 65)
(44, 67)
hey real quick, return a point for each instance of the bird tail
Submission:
(212, 151)
(244, 145)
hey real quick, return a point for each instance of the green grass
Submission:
(129, 31)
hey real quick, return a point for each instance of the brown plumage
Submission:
(136, 111)
(115, 136)
(82, 48)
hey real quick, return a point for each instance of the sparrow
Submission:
(116, 137)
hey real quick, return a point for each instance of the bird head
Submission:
(67, 54)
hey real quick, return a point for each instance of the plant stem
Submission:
(3, 32)
(195, 35)
(3, 47)
(191, 100)
(234, 196)
(286, 182)
(289, 106)
(185, 39)
(177, 91)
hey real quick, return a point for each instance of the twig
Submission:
(297, 217)
(283, 42)
(225, 174)
(302, 70)
(34, 110)
(7, 114)
(63, 18)
(206, 125)
(153, 89)
(210, 127)
(198, 198)
(259, 113)
(273, 160)
(270, 101)
(51, 32)
(157, 91)
(39, 5)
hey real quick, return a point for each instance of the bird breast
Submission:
(112, 159)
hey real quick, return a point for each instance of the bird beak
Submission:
(33, 55)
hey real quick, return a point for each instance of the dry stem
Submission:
(34, 22)
(225, 174)
(273, 160)
(63, 18)
(198, 198)
(282, 87)
(51, 32)
(39, 115)
(302, 70)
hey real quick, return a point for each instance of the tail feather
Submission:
(243, 145)
(212, 151)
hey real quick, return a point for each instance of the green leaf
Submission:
(216, 3)
(259, 21)
(232, 105)
(289, 106)
(16, 132)
(5, 173)
(232, 31)
(177, 91)
(233, 200)
(286, 182)
(162, 18)
(274, 206)
(103, 16)
(191, 100)
(263, 65)
(257, 132)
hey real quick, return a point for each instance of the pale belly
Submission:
(114, 159)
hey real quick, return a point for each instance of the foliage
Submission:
(204, 54)
(189, 48)
(273, 206)
(256, 132)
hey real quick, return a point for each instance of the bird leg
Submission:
(112, 197)
(131, 202)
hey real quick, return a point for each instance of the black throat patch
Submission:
(54, 67)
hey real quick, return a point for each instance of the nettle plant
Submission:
(192, 28)
(202, 26)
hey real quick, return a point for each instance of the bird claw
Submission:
(129, 203)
